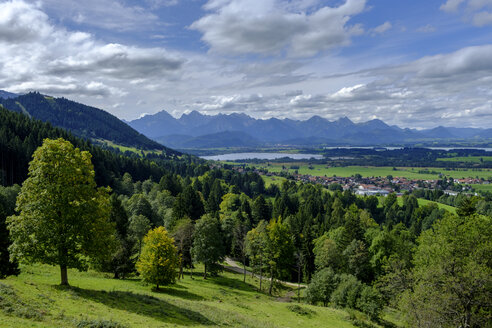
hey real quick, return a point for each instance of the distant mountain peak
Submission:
(316, 130)
(316, 118)
(193, 114)
(344, 121)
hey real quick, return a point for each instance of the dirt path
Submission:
(234, 266)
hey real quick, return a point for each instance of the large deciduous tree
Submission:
(279, 250)
(63, 217)
(183, 236)
(452, 277)
(208, 247)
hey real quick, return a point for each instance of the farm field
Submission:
(482, 187)
(472, 159)
(34, 299)
(375, 171)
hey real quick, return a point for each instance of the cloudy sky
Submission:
(414, 63)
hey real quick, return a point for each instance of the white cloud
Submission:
(382, 28)
(482, 18)
(447, 89)
(37, 55)
(472, 10)
(273, 26)
(346, 92)
(107, 14)
(426, 29)
(451, 5)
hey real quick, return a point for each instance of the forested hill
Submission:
(83, 121)
(20, 136)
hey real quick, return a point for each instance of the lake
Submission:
(267, 156)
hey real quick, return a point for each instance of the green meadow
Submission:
(34, 299)
(482, 187)
(423, 173)
(471, 159)
(423, 202)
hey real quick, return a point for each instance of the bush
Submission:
(98, 323)
(322, 285)
(347, 291)
(370, 302)
(300, 310)
(159, 259)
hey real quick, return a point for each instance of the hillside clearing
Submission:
(35, 300)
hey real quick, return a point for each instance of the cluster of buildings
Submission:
(374, 185)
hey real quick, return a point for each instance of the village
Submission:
(381, 186)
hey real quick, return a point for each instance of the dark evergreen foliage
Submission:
(83, 121)
(20, 136)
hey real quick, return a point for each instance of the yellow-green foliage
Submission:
(159, 258)
(63, 217)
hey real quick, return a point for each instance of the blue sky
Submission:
(412, 63)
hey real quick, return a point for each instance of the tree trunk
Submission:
(244, 268)
(64, 275)
(205, 272)
(261, 276)
(191, 271)
(62, 258)
(157, 287)
(271, 282)
(181, 274)
(299, 284)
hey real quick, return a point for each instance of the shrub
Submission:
(347, 291)
(322, 285)
(98, 323)
(300, 310)
(159, 260)
(370, 302)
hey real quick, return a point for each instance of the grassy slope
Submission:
(273, 180)
(423, 202)
(223, 300)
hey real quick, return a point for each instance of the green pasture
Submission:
(377, 171)
(482, 187)
(34, 299)
(471, 159)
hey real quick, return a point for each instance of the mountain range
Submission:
(196, 130)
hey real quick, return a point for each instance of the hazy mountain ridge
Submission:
(313, 131)
(83, 121)
(7, 95)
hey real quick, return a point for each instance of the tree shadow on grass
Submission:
(231, 283)
(142, 304)
(178, 291)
